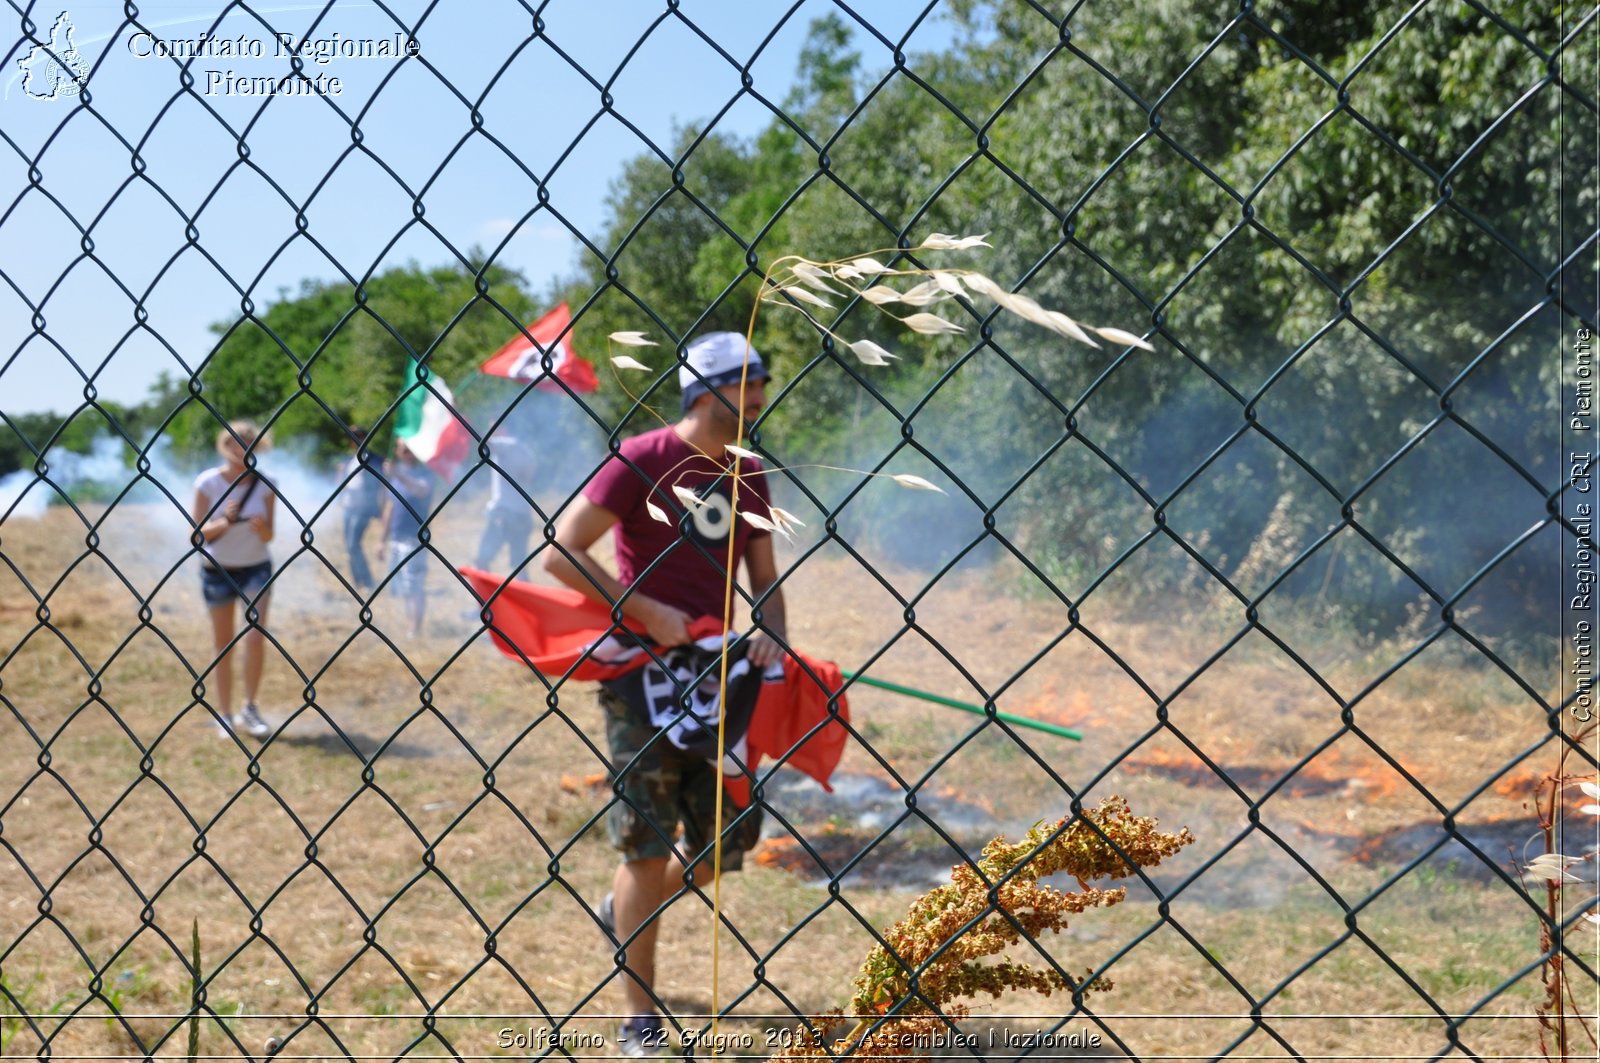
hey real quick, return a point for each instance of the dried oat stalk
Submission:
(798, 283)
(794, 282)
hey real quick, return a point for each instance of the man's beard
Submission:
(727, 422)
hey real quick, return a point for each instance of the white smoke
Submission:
(141, 524)
(143, 520)
(16, 500)
(65, 475)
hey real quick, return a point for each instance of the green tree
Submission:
(25, 437)
(664, 211)
(331, 355)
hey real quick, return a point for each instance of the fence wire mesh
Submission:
(1308, 568)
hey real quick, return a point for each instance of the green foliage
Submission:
(332, 355)
(196, 981)
(14, 1003)
(20, 1005)
(25, 436)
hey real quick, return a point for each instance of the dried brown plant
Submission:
(912, 985)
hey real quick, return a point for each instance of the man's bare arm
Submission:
(762, 568)
(570, 561)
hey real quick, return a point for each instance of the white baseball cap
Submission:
(716, 359)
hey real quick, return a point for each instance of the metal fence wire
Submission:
(1310, 576)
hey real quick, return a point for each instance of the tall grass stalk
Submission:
(195, 989)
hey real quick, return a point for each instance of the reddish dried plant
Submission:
(912, 987)
(1551, 875)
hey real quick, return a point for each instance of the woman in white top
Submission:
(233, 508)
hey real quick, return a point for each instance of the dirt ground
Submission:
(410, 865)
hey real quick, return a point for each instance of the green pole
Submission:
(938, 699)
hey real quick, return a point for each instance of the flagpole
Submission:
(952, 703)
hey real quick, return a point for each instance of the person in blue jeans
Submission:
(408, 505)
(361, 496)
(508, 522)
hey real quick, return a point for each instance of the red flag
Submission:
(558, 631)
(792, 719)
(555, 629)
(521, 359)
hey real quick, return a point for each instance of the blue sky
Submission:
(661, 73)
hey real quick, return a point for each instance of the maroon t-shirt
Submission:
(692, 569)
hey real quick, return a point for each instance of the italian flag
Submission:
(426, 424)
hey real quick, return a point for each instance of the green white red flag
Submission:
(427, 425)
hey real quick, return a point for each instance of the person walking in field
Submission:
(665, 579)
(508, 521)
(362, 499)
(406, 507)
(232, 514)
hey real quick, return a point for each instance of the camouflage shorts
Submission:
(663, 788)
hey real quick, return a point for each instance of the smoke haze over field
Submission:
(1251, 513)
(1445, 508)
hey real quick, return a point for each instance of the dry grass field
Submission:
(409, 866)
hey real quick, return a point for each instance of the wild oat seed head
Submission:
(756, 520)
(794, 291)
(783, 516)
(870, 353)
(916, 483)
(632, 339)
(866, 267)
(881, 295)
(946, 242)
(690, 500)
(1128, 339)
(813, 276)
(930, 324)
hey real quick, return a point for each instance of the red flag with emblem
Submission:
(523, 358)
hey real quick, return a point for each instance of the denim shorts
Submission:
(220, 585)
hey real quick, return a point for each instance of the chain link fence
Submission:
(1308, 568)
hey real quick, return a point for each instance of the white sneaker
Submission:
(643, 1040)
(249, 720)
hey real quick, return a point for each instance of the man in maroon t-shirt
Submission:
(667, 577)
